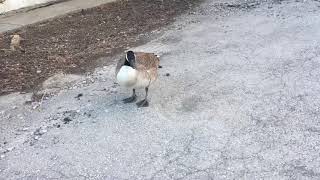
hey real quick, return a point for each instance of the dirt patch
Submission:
(74, 43)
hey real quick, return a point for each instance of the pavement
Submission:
(31, 16)
(241, 101)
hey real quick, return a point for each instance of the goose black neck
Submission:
(130, 59)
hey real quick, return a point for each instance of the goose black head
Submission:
(130, 59)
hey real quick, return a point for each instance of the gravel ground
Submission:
(241, 102)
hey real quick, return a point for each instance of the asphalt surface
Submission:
(241, 102)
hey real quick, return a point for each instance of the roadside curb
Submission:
(44, 12)
(30, 8)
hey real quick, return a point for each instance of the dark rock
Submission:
(78, 96)
(66, 120)
(39, 132)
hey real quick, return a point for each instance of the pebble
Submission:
(79, 95)
(40, 132)
(52, 118)
(35, 107)
(8, 116)
(10, 149)
(44, 131)
(66, 120)
(56, 140)
(2, 156)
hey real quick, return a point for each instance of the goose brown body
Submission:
(137, 70)
(146, 65)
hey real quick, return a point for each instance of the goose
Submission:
(137, 70)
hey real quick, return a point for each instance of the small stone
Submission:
(35, 107)
(36, 138)
(87, 114)
(8, 116)
(2, 156)
(167, 74)
(43, 131)
(55, 140)
(10, 149)
(79, 95)
(40, 131)
(66, 120)
(39, 71)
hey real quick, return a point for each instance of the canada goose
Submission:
(137, 70)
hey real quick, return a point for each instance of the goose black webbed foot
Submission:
(143, 103)
(131, 99)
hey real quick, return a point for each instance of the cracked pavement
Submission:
(241, 102)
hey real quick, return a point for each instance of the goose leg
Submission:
(131, 99)
(144, 103)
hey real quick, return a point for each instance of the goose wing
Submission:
(146, 61)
